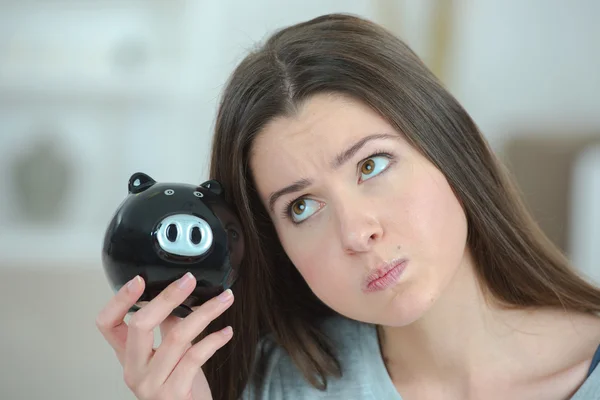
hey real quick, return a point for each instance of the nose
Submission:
(184, 235)
(359, 226)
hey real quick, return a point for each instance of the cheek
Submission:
(319, 264)
(307, 253)
(437, 221)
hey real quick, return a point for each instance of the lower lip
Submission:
(388, 280)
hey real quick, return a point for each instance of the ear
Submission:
(139, 182)
(214, 186)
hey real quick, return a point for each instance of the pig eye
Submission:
(169, 192)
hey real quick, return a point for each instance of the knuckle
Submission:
(101, 322)
(171, 294)
(211, 310)
(210, 315)
(198, 356)
(204, 350)
(203, 320)
(120, 299)
(175, 336)
(139, 322)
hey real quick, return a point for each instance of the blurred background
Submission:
(92, 91)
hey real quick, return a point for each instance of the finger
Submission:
(110, 320)
(179, 339)
(167, 325)
(183, 375)
(140, 335)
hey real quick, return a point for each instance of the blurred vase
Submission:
(42, 180)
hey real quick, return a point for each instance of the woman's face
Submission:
(350, 199)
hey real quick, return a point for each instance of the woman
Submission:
(391, 257)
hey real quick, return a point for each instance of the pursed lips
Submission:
(382, 270)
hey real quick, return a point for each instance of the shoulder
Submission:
(277, 377)
(590, 389)
(587, 336)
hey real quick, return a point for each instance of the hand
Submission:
(173, 370)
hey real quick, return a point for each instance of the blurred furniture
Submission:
(584, 240)
(559, 178)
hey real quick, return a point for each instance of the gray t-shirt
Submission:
(364, 374)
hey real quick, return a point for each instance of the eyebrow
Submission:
(337, 162)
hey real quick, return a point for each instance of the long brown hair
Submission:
(339, 53)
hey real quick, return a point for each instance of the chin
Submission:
(401, 310)
(405, 314)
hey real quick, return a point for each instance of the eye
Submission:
(373, 165)
(301, 209)
(232, 232)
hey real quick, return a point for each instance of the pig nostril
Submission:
(172, 232)
(196, 236)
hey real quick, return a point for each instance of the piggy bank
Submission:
(162, 230)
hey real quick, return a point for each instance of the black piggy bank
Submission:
(163, 230)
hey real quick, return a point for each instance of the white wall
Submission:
(516, 66)
(521, 64)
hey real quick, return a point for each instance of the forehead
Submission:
(322, 124)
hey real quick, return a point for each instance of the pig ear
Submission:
(139, 182)
(214, 186)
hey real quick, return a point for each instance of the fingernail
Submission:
(134, 283)
(185, 280)
(225, 296)
(227, 331)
